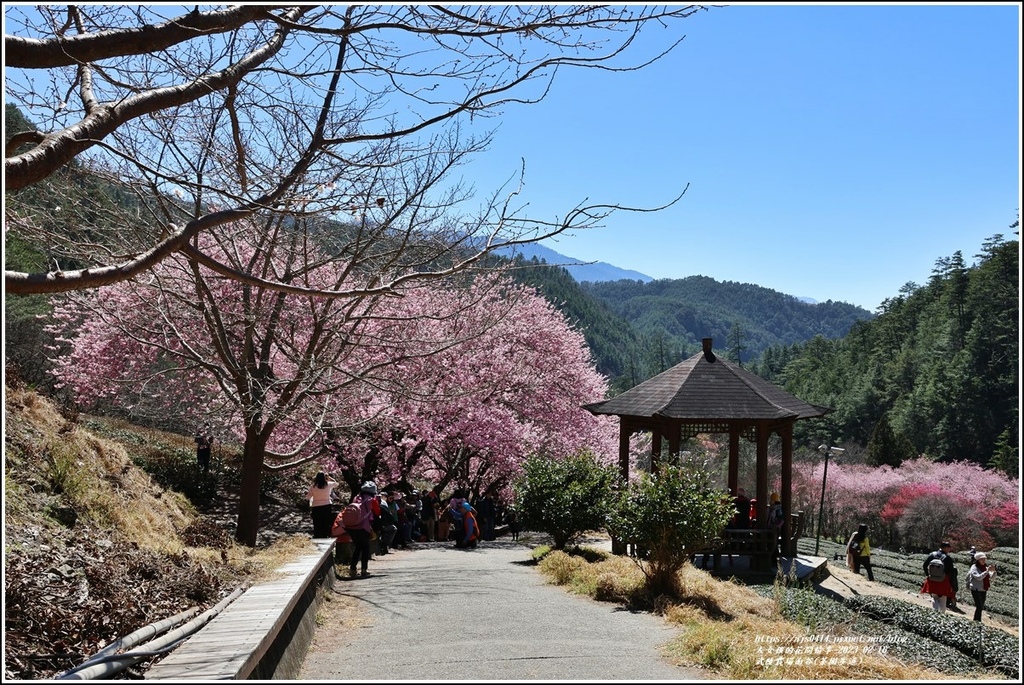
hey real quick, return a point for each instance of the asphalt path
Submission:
(438, 613)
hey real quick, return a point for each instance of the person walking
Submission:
(204, 445)
(978, 581)
(938, 568)
(512, 519)
(320, 498)
(776, 520)
(470, 528)
(428, 513)
(858, 550)
(360, 529)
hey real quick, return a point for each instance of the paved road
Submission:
(437, 613)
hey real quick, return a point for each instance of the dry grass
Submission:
(726, 626)
(258, 565)
(97, 477)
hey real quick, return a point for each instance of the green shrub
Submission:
(670, 515)
(825, 616)
(990, 647)
(564, 497)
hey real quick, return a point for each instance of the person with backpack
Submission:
(455, 515)
(858, 550)
(357, 518)
(470, 527)
(978, 581)
(938, 571)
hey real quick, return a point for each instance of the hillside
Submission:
(688, 309)
(94, 548)
(638, 329)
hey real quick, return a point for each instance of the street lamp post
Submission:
(827, 451)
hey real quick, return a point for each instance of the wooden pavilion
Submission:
(705, 394)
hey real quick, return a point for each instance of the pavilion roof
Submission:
(706, 387)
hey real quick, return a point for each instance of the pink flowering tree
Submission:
(470, 414)
(280, 369)
(914, 505)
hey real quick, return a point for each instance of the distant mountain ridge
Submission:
(580, 271)
(596, 272)
(636, 328)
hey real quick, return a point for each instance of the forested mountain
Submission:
(743, 319)
(637, 330)
(936, 373)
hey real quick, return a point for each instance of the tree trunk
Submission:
(249, 495)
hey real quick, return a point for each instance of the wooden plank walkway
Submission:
(232, 645)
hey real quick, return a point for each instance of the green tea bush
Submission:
(824, 616)
(989, 647)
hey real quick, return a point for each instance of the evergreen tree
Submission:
(736, 348)
(1007, 454)
(886, 447)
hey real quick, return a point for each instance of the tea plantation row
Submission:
(904, 571)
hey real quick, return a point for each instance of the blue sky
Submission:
(831, 151)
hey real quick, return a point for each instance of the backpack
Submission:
(338, 528)
(352, 516)
(936, 570)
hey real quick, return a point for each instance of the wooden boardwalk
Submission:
(242, 641)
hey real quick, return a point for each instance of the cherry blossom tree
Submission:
(200, 120)
(471, 413)
(478, 360)
(978, 504)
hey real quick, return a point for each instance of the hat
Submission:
(944, 544)
(980, 555)
(369, 487)
(466, 506)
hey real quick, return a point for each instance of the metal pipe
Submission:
(109, 664)
(153, 629)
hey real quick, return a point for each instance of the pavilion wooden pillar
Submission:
(625, 431)
(786, 434)
(761, 437)
(655, 448)
(734, 457)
